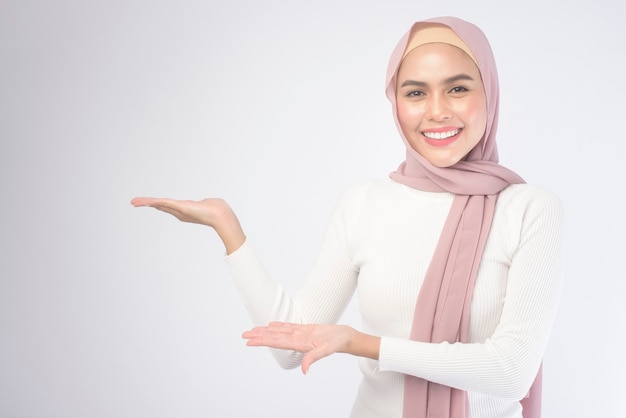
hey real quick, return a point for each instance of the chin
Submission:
(443, 162)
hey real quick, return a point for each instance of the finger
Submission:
(256, 336)
(170, 206)
(313, 356)
(280, 327)
(259, 328)
(172, 211)
(286, 327)
(140, 201)
(275, 338)
(253, 333)
(150, 201)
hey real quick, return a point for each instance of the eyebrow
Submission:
(448, 80)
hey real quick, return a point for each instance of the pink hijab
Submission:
(443, 304)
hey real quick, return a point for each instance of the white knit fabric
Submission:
(379, 242)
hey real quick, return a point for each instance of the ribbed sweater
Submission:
(379, 243)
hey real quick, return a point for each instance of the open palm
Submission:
(213, 212)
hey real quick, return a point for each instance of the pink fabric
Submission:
(443, 305)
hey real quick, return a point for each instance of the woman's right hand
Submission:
(213, 212)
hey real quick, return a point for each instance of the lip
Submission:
(441, 142)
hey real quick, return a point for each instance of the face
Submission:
(441, 103)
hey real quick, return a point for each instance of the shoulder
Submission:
(530, 205)
(526, 196)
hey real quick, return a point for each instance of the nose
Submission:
(438, 108)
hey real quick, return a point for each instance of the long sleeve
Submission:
(505, 363)
(380, 241)
(324, 294)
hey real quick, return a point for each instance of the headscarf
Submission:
(443, 304)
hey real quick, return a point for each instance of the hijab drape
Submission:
(443, 304)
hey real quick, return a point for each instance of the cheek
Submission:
(409, 117)
(475, 113)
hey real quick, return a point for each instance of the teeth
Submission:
(441, 135)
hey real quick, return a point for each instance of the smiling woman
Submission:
(455, 259)
(442, 108)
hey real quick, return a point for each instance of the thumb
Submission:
(312, 356)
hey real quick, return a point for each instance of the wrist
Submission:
(363, 345)
(229, 230)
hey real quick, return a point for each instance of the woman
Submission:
(455, 260)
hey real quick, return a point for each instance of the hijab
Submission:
(443, 304)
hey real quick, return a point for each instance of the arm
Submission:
(316, 340)
(504, 364)
(322, 297)
(215, 213)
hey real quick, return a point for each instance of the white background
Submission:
(278, 106)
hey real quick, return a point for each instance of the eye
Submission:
(414, 93)
(458, 89)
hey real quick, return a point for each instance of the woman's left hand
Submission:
(315, 340)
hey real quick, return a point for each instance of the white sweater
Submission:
(379, 242)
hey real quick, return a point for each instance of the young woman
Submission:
(455, 260)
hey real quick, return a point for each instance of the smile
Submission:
(441, 135)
